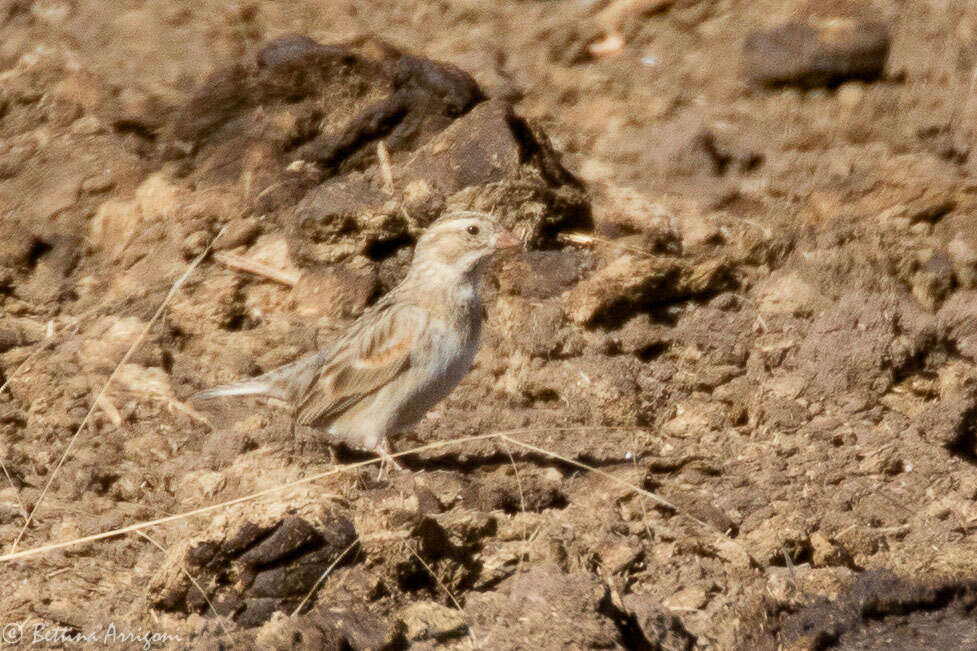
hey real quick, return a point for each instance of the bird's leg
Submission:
(383, 449)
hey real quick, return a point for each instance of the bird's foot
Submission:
(385, 459)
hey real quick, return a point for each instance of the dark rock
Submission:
(374, 90)
(258, 610)
(293, 581)
(290, 536)
(479, 148)
(816, 53)
(298, 129)
(202, 554)
(360, 628)
(881, 610)
(244, 538)
(259, 570)
(489, 158)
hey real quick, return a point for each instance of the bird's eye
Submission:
(472, 230)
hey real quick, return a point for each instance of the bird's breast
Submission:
(453, 353)
(438, 366)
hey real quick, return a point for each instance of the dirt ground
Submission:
(736, 363)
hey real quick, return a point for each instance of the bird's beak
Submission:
(505, 240)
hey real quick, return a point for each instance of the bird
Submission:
(404, 354)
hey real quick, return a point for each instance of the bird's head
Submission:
(461, 241)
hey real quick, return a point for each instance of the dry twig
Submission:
(241, 263)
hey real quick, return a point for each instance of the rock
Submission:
(777, 537)
(816, 52)
(480, 147)
(787, 293)
(950, 422)
(506, 492)
(225, 445)
(878, 608)
(826, 553)
(957, 321)
(854, 346)
(488, 159)
(964, 257)
(660, 628)
(274, 568)
(240, 232)
(620, 555)
(427, 620)
(934, 281)
(543, 608)
(336, 293)
(195, 485)
(291, 534)
(630, 284)
(687, 599)
(360, 628)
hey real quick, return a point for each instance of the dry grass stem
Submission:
(203, 593)
(504, 435)
(441, 584)
(522, 506)
(125, 358)
(586, 239)
(10, 480)
(241, 263)
(385, 170)
(323, 577)
(215, 507)
(176, 405)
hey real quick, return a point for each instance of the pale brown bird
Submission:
(404, 354)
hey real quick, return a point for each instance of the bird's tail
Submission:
(253, 387)
(283, 383)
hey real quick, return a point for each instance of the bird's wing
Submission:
(375, 353)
